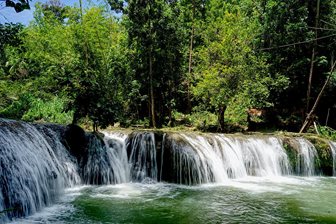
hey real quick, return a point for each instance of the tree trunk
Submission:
(151, 87)
(310, 78)
(95, 126)
(327, 119)
(221, 113)
(312, 62)
(151, 90)
(190, 57)
(310, 116)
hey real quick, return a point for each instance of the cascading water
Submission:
(216, 158)
(333, 154)
(32, 171)
(115, 143)
(306, 158)
(68, 161)
(142, 156)
(36, 163)
(187, 165)
(265, 157)
(106, 160)
(192, 159)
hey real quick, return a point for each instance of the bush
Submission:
(201, 120)
(327, 132)
(48, 111)
(18, 107)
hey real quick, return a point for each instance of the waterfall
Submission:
(189, 165)
(306, 157)
(216, 158)
(142, 156)
(38, 161)
(192, 158)
(107, 161)
(115, 143)
(162, 154)
(265, 157)
(98, 168)
(33, 168)
(333, 154)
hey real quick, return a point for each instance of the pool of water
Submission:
(249, 200)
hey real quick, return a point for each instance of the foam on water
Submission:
(53, 214)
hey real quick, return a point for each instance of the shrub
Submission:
(48, 111)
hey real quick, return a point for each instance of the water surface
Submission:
(249, 200)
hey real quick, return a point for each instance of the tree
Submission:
(309, 117)
(100, 50)
(154, 41)
(192, 15)
(296, 44)
(227, 65)
(80, 62)
(9, 37)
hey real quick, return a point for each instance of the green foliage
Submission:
(160, 60)
(98, 90)
(288, 30)
(327, 132)
(29, 108)
(292, 152)
(52, 111)
(155, 43)
(324, 161)
(201, 120)
(228, 69)
(9, 36)
(236, 113)
(17, 108)
(84, 61)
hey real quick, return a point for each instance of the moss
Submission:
(324, 162)
(291, 148)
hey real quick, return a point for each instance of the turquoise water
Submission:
(250, 200)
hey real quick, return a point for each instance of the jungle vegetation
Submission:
(211, 64)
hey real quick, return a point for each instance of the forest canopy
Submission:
(210, 64)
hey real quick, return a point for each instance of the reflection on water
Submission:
(250, 200)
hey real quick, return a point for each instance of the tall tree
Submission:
(227, 65)
(297, 45)
(156, 58)
(193, 14)
(81, 61)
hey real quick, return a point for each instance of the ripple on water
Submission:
(250, 200)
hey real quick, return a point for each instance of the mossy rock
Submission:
(292, 149)
(325, 161)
